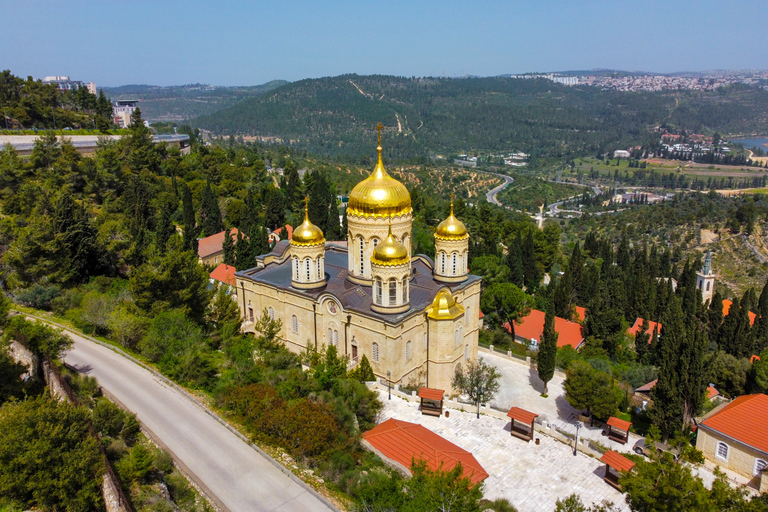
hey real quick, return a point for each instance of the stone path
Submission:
(531, 477)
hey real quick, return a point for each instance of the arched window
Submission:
(465, 259)
(454, 263)
(296, 267)
(458, 336)
(319, 268)
(362, 256)
(722, 451)
(377, 290)
(375, 351)
(407, 350)
(442, 263)
(375, 242)
(335, 338)
(392, 292)
(330, 336)
(294, 323)
(457, 368)
(708, 283)
(760, 466)
(271, 313)
(405, 290)
(466, 352)
(467, 315)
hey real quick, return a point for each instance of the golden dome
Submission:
(307, 233)
(390, 252)
(444, 307)
(379, 195)
(451, 228)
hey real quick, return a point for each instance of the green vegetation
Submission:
(528, 194)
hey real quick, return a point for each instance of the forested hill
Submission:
(336, 115)
(182, 102)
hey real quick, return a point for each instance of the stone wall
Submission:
(25, 357)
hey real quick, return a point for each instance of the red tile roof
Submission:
(402, 442)
(521, 415)
(224, 273)
(481, 314)
(745, 419)
(754, 358)
(617, 461)
(619, 423)
(581, 313)
(213, 244)
(727, 308)
(638, 325)
(431, 394)
(711, 391)
(532, 327)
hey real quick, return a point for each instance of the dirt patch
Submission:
(708, 236)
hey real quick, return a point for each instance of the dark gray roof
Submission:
(352, 296)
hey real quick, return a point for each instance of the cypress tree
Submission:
(530, 270)
(667, 410)
(760, 329)
(242, 253)
(210, 213)
(562, 296)
(642, 340)
(515, 263)
(545, 361)
(190, 230)
(228, 246)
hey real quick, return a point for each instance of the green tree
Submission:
(591, 390)
(545, 360)
(478, 380)
(190, 229)
(363, 371)
(505, 303)
(210, 214)
(441, 490)
(228, 246)
(40, 339)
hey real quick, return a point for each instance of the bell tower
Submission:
(705, 279)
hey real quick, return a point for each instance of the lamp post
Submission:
(389, 386)
(576, 443)
(479, 395)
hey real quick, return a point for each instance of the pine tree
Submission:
(190, 229)
(547, 355)
(562, 296)
(642, 340)
(530, 269)
(760, 329)
(667, 410)
(228, 246)
(210, 214)
(515, 263)
(243, 259)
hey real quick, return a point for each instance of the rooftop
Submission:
(745, 419)
(403, 442)
(213, 244)
(532, 326)
(617, 461)
(727, 308)
(639, 325)
(225, 274)
(521, 415)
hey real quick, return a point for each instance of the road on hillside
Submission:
(491, 194)
(238, 476)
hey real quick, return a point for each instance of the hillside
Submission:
(427, 116)
(178, 103)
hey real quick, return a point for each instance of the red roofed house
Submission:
(645, 391)
(735, 436)
(210, 250)
(581, 314)
(224, 275)
(398, 443)
(727, 308)
(638, 325)
(274, 235)
(530, 328)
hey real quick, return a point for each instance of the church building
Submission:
(415, 319)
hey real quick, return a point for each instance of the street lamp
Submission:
(389, 386)
(576, 444)
(479, 394)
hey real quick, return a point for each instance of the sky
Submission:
(163, 42)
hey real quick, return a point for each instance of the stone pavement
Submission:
(521, 387)
(531, 477)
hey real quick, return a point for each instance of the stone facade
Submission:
(365, 232)
(739, 457)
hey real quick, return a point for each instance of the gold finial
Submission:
(306, 208)
(451, 203)
(379, 127)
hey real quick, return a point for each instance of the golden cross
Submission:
(379, 127)
(306, 202)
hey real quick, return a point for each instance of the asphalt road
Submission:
(491, 194)
(238, 476)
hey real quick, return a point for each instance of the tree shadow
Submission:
(82, 368)
(566, 411)
(533, 379)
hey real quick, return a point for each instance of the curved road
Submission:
(225, 466)
(491, 194)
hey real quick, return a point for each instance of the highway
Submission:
(235, 475)
(491, 194)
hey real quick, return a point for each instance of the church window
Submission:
(296, 266)
(454, 263)
(466, 352)
(306, 265)
(375, 351)
(375, 242)
(708, 286)
(467, 315)
(294, 323)
(392, 292)
(458, 336)
(271, 313)
(335, 338)
(408, 351)
(405, 290)
(319, 268)
(362, 257)
(377, 291)
(442, 263)
(330, 336)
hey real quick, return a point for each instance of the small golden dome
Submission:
(379, 195)
(451, 228)
(444, 307)
(307, 233)
(390, 252)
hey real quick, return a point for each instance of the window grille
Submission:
(408, 351)
(294, 323)
(722, 451)
(392, 292)
(375, 351)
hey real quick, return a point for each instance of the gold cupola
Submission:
(307, 233)
(379, 195)
(444, 307)
(451, 228)
(390, 252)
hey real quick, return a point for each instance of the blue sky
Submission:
(114, 42)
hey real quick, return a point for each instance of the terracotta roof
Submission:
(481, 314)
(402, 442)
(711, 391)
(617, 461)
(727, 308)
(581, 313)
(213, 244)
(639, 325)
(224, 273)
(745, 419)
(532, 327)
(521, 415)
(619, 423)
(754, 358)
(431, 394)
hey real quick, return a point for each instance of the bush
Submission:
(136, 465)
(125, 327)
(108, 419)
(38, 296)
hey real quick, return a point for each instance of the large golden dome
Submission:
(390, 252)
(444, 307)
(451, 228)
(307, 233)
(379, 195)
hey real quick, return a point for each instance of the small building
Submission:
(644, 392)
(224, 275)
(431, 401)
(615, 464)
(727, 309)
(621, 153)
(529, 329)
(638, 325)
(274, 236)
(522, 423)
(122, 111)
(735, 436)
(210, 250)
(398, 443)
(618, 429)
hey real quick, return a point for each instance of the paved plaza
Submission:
(531, 477)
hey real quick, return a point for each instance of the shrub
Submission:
(108, 419)
(38, 296)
